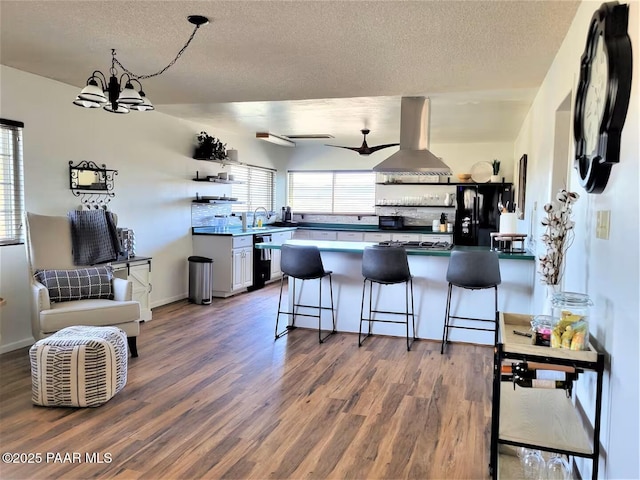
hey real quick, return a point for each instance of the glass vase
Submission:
(558, 468)
(534, 465)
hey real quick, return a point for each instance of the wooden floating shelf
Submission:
(442, 184)
(217, 180)
(220, 202)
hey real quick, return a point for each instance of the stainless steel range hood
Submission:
(414, 158)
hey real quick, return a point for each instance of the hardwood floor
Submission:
(213, 396)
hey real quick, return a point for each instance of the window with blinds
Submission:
(332, 192)
(11, 183)
(257, 188)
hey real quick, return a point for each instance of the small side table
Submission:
(508, 242)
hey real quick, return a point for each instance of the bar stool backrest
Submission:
(301, 261)
(385, 264)
(469, 269)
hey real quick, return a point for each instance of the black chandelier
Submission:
(117, 99)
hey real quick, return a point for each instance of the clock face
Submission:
(595, 98)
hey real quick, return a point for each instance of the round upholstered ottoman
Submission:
(78, 366)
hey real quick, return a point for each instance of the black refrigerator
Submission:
(477, 213)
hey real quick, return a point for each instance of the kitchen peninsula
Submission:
(429, 268)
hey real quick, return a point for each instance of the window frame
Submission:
(248, 205)
(12, 165)
(333, 174)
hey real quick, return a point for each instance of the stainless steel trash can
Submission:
(200, 279)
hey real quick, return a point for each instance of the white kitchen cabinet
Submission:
(242, 268)
(377, 237)
(232, 261)
(350, 236)
(322, 235)
(406, 237)
(278, 239)
(301, 234)
(138, 271)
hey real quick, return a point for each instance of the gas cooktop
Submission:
(418, 245)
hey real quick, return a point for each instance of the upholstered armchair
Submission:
(99, 299)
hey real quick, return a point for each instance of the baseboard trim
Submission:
(10, 347)
(165, 301)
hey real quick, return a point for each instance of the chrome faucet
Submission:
(253, 225)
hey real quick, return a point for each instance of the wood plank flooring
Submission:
(213, 396)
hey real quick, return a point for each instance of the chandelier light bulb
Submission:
(85, 103)
(92, 92)
(119, 108)
(146, 104)
(129, 95)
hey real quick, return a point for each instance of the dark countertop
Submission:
(238, 231)
(358, 247)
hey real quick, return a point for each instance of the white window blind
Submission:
(257, 188)
(11, 183)
(332, 191)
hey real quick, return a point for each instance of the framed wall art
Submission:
(522, 186)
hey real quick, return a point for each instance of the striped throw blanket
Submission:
(94, 237)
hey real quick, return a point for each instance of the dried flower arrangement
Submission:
(558, 235)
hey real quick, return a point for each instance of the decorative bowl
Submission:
(464, 177)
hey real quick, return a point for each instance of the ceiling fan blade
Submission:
(380, 147)
(355, 149)
(365, 149)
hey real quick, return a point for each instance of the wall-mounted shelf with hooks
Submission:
(92, 183)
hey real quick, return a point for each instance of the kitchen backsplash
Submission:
(206, 214)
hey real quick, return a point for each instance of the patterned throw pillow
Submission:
(77, 284)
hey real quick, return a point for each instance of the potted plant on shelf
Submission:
(495, 178)
(210, 148)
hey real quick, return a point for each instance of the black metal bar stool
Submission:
(386, 266)
(473, 270)
(301, 262)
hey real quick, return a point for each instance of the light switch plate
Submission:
(602, 224)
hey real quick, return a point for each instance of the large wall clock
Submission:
(602, 98)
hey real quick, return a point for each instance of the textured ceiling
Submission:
(306, 66)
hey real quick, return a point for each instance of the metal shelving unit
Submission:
(544, 419)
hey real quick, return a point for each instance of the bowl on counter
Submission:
(464, 177)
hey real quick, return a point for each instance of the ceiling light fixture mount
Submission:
(118, 95)
(276, 139)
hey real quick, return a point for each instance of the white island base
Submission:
(430, 293)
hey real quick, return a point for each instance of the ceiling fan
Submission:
(365, 149)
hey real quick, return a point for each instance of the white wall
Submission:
(459, 157)
(607, 270)
(153, 188)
